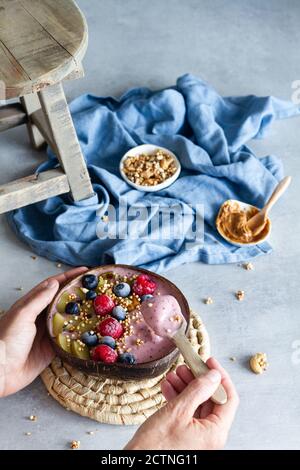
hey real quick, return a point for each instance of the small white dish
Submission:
(149, 149)
(245, 207)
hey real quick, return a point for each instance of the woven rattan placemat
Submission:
(114, 401)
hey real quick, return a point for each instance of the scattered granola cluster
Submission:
(75, 445)
(258, 363)
(248, 266)
(240, 295)
(151, 169)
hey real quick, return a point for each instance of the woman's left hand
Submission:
(25, 349)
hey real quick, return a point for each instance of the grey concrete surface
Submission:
(240, 47)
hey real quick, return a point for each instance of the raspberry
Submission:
(143, 285)
(103, 305)
(110, 327)
(142, 278)
(104, 353)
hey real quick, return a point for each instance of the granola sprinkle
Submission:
(258, 363)
(248, 266)
(75, 445)
(149, 169)
(33, 418)
(208, 301)
(240, 295)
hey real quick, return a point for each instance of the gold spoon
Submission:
(258, 221)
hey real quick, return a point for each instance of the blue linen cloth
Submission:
(207, 132)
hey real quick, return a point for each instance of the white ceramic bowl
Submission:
(149, 149)
(245, 207)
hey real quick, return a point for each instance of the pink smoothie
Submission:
(163, 315)
(143, 342)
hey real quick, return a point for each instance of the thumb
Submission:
(197, 392)
(32, 304)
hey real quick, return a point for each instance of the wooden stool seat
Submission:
(42, 43)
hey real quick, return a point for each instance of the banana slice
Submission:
(65, 298)
(79, 293)
(88, 325)
(80, 350)
(63, 343)
(58, 324)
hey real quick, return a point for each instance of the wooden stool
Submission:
(42, 43)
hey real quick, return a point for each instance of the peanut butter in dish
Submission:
(232, 223)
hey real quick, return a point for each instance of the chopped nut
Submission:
(75, 444)
(240, 295)
(105, 218)
(33, 257)
(208, 301)
(19, 288)
(33, 418)
(258, 363)
(149, 169)
(58, 265)
(90, 433)
(248, 266)
(233, 359)
(27, 433)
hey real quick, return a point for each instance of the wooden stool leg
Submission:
(56, 110)
(31, 104)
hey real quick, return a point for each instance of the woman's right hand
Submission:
(190, 420)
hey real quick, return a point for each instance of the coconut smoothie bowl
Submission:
(95, 323)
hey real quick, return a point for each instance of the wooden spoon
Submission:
(258, 221)
(163, 315)
(195, 363)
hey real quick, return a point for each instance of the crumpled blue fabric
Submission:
(207, 132)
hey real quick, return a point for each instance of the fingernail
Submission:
(213, 375)
(51, 283)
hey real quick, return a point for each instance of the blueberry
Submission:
(146, 297)
(119, 313)
(91, 295)
(127, 358)
(72, 308)
(90, 339)
(89, 281)
(122, 290)
(109, 341)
